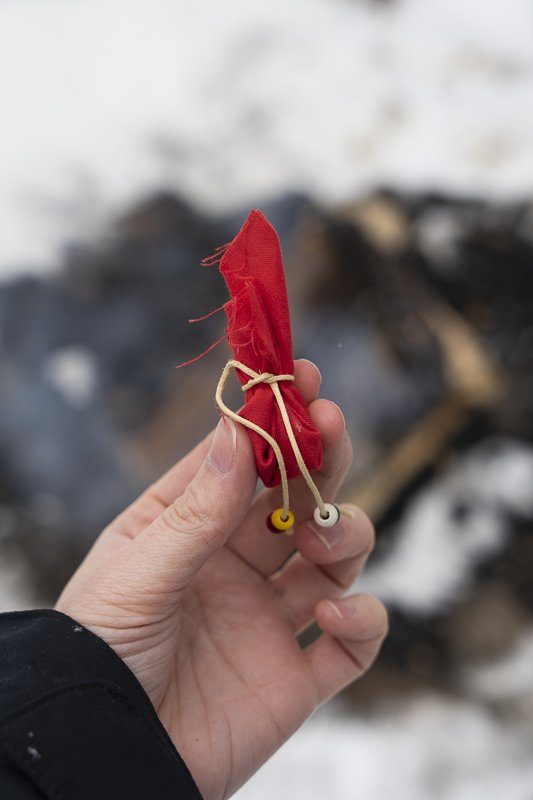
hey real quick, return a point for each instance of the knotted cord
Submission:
(270, 380)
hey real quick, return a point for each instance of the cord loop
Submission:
(268, 378)
(271, 380)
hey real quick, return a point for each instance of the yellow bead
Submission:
(280, 522)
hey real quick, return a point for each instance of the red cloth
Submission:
(259, 333)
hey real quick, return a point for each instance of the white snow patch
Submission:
(106, 100)
(72, 370)
(430, 748)
(507, 678)
(435, 554)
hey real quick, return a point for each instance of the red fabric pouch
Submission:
(259, 334)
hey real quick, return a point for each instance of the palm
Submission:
(243, 675)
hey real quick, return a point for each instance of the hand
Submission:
(203, 603)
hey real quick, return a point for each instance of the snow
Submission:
(432, 747)
(509, 677)
(434, 557)
(73, 371)
(106, 100)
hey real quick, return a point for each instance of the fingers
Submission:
(173, 483)
(328, 562)
(354, 629)
(176, 544)
(253, 541)
(307, 378)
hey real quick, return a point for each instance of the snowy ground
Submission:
(104, 100)
(434, 560)
(429, 749)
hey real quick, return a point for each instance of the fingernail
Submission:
(330, 537)
(344, 608)
(221, 454)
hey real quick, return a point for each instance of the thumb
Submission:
(176, 544)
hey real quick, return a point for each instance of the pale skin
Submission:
(187, 586)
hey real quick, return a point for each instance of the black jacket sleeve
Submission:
(74, 721)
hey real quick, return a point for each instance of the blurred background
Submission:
(389, 141)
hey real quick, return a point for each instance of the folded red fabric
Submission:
(259, 334)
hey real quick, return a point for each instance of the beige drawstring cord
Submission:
(272, 381)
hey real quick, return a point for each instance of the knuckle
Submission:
(380, 618)
(344, 573)
(191, 514)
(367, 645)
(363, 531)
(368, 533)
(348, 452)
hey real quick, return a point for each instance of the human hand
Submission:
(187, 586)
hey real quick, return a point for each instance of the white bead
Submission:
(332, 518)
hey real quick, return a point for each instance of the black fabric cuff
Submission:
(75, 721)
